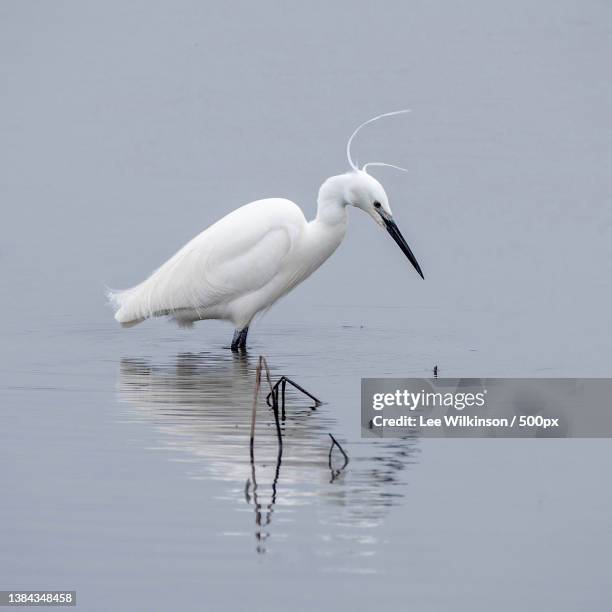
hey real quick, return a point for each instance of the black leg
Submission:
(239, 339)
(243, 337)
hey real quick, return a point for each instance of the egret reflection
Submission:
(200, 404)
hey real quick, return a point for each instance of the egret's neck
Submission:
(326, 231)
(331, 202)
(331, 212)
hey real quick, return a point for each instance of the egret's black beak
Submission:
(397, 236)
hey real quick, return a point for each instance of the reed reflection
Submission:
(201, 405)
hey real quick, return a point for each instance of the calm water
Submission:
(127, 476)
(125, 469)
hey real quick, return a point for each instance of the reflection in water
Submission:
(263, 518)
(201, 404)
(335, 472)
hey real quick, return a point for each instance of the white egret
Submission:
(246, 261)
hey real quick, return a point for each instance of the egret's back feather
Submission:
(234, 257)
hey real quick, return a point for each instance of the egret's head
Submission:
(362, 190)
(365, 192)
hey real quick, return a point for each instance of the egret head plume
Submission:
(358, 129)
(363, 191)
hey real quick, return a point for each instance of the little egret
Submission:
(246, 261)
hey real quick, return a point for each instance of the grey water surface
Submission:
(126, 128)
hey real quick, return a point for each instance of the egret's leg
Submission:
(239, 339)
(243, 336)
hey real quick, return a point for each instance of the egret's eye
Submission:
(377, 204)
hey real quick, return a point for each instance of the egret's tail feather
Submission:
(178, 288)
(128, 311)
(131, 323)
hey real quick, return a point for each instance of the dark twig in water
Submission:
(335, 473)
(254, 409)
(282, 383)
(263, 514)
(283, 387)
(274, 404)
(263, 518)
(262, 363)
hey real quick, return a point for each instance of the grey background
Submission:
(126, 128)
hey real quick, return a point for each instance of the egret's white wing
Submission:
(237, 255)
